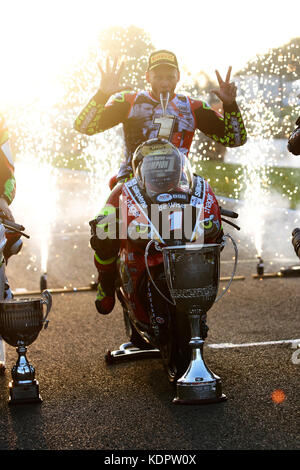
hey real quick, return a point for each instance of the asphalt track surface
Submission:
(88, 405)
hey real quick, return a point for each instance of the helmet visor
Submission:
(164, 173)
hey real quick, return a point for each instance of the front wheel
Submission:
(174, 333)
(176, 351)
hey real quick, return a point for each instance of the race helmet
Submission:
(160, 167)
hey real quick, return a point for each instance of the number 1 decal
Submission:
(166, 126)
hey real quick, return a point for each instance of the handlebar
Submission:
(10, 225)
(228, 213)
(231, 214)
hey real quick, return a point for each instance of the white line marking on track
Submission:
(295, 343)
(254, 260)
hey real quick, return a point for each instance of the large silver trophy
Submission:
(21, 321)
(193, 274)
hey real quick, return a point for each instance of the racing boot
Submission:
(105, 300)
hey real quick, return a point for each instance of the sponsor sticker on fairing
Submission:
(196, 201)
(164, 197)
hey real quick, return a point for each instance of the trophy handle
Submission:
(234, 267)
(149, 273)
(48, 301)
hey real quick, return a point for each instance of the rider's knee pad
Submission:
(106, 224)
(104, 234)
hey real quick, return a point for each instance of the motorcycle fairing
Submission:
(134, 214)
(132, 269)
(144, 220)
(134, 210)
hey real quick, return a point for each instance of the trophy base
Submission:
(203, 401)
(24, 393)
(199, 394)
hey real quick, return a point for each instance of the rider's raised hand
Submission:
(227, 90)
(110, 78)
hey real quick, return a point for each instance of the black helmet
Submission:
(160, 167)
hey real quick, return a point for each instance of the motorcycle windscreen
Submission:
(164, 173)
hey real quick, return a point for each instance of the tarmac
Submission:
(89, 405)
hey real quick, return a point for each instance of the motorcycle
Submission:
(169, 268)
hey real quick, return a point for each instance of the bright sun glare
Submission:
(44, 40)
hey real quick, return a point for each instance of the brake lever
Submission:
(231, 223)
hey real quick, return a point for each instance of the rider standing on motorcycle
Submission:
(141, 115)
